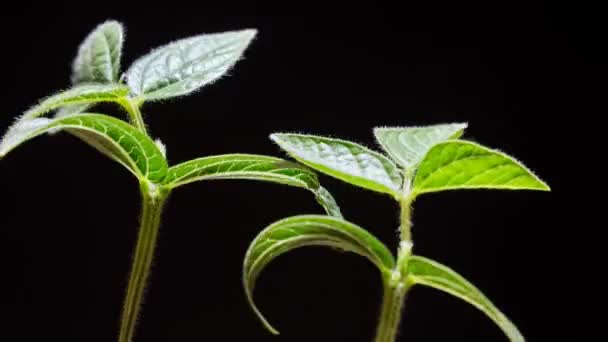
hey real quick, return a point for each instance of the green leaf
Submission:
(78, 95)
(408, 145)
(309, 230)
(114, 138)
(327, 201)
(98, 58)
(344, 160)
(430, 273)
(465, 165)
(72, 109)
(184, 66)
(254, 167)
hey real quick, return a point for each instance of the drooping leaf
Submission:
(114, 138)
(327, 201)
(98, 59)
(465, 165)
(254, 167)
(408, 145)
(344, 160)
(81, 94)
(309, 230)
(182, 67)
(427, 272)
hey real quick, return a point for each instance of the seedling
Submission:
(176, 69)
(419, 160)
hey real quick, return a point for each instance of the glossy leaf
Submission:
(344, 160)
(408, 145)
(465, 165)
(254, 167)
(98, 59)
(427, 272)
(114, 138)
(309, 230)
(82, 94)
(182, 67)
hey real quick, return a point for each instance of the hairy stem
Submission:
(132, 108)
(406, 212)
(390, 313)
(153, 200)
(396, 285)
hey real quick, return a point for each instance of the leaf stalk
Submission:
(131, 105)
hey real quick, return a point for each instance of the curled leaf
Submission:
(253, 167)
(114, 138)
(430, 273)
(309, 230)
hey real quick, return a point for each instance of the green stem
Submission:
(153, 200)
(396, 285)
(390, 313)
(132, 108)
(406, 212)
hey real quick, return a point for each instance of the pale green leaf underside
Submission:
(79, 95)
(430, 273)
(98, 58)
(465, 165)
(408, 145)
(114, 138)
(309, 230)
(73, 109)
(253, 167)
(184, 66)
(344, 160)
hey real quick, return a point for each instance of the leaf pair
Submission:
(418, 160)
(175, 69)
(428, 155)
(172, 70)
(311, 230)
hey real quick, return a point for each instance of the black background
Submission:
(67, 224)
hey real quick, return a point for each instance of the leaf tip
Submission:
(249, 33)
(276, 137)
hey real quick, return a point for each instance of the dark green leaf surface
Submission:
(98, 59)
(408, 145)
(115, 138)
(465, 165)
(184, 66)
(253, 167)
(344, 160)
(309, 230)
(427, 272)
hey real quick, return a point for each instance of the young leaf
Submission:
(98, 59)
(114, 138)
(408, 145)
(344, 160)
(465, 165)
(254, 167)
(81, 94)
(309, 230)
(430, 273)
(184, 66)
